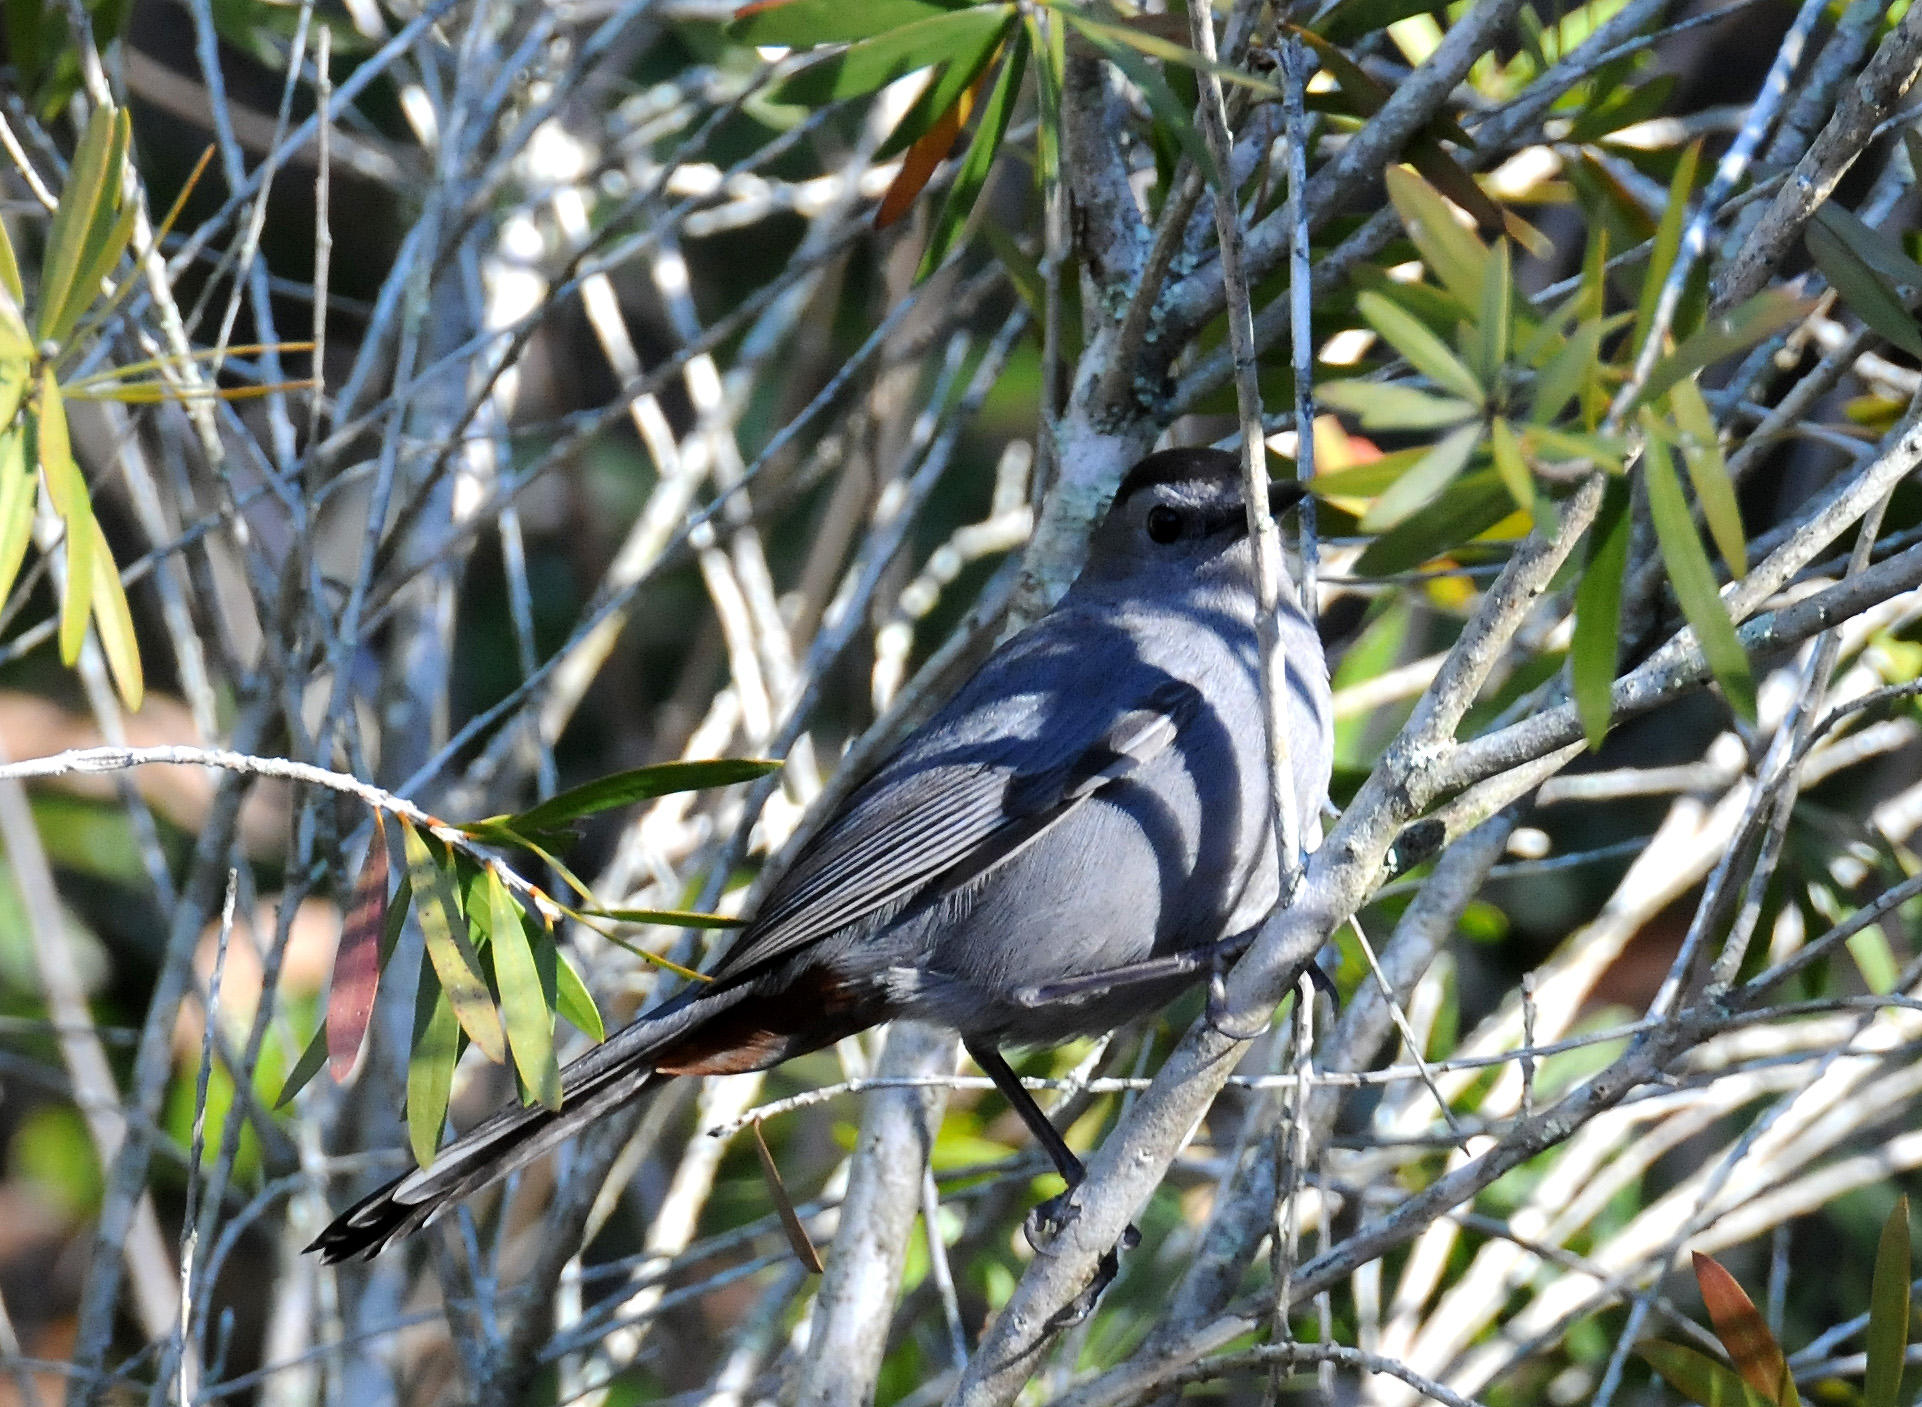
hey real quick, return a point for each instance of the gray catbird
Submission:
(1094, 801)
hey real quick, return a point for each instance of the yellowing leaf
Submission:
(114, 621)
(530, 1025)
(16, 505)
(452, 952)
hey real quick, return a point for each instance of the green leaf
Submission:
(113, 620)
(1468, 510)
(1426, 352)
(1690, 575)
(107, 234)
(310, 1063)
(1596, 644)
(73, 220)
(1698, 1377)
(10, 275)
(1168, 110)
(1455, 254)
(1864, 289)
(1511, 464)
(1432, 473)
(16, 505)
(430, 1069)
(1348, 20)
(1497, 312)
(1389, 405)
(67, 492)
(877, 61)
(801, 24)
(530, 1025)
(1767, 313)
(573, 1001)
(1708, 472)
(1876, 249)
(1547, 442)
(449, 947)
(670, 918)
(1052, 47)
(973, 174)
(1638, 104)
(640, 784)
(1153, 46)
(1570, 371)
(1888, 1333)
(1668, 241)
(16, 375)
(955, 78)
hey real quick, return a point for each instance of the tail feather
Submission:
(614, 1072)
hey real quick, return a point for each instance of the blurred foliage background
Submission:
(525, 394)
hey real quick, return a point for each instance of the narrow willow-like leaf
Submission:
(1348, 20)
(16, 505)
(430, 1069)
(1596, 644)
(1698, 1377)
(1389, 405)
(640, 784)
(1454, 253)
(1511, 464)
(973, 174)
(1668, 241)
(1888, 1334)
(16, 375)
(797, 1233)
(1497, 315)
(1708, 472)
(1767, 313)
(1740, 1326)
(530, 1025)
(895, 53)
(670, 918)
(113, 621)
(1426, 352)
(449, 947)
(1570, 371)
(1478, 502)
(1864, 289)
(1168, 110)
(356, 979)
(801, 24)
(108, 231)
(1879, 251)
(944, 104)
(573, 1001)
(1151, 45)
(1426, 479)
(10, 274)
(73, 219)
(1689, 573)
(67, 493)
(312, 1061)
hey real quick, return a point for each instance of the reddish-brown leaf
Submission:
(1741, 1328)
(919, 162)
(350, 998)
(797, 1234)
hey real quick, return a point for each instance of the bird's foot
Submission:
(1046, 1222)
(1218, 1016)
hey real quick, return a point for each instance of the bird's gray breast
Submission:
(1175, 854)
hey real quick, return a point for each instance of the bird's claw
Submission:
(1217, 1015)
(1047, 1221)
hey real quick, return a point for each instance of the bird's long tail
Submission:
(624, 1067)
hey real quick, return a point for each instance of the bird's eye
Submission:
(1164, 524)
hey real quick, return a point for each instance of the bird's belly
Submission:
(1136, 872)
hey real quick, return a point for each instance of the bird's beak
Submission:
(1284, 494)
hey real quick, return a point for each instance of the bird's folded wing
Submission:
(953, 822)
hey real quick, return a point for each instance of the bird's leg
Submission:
(1047, 1220)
